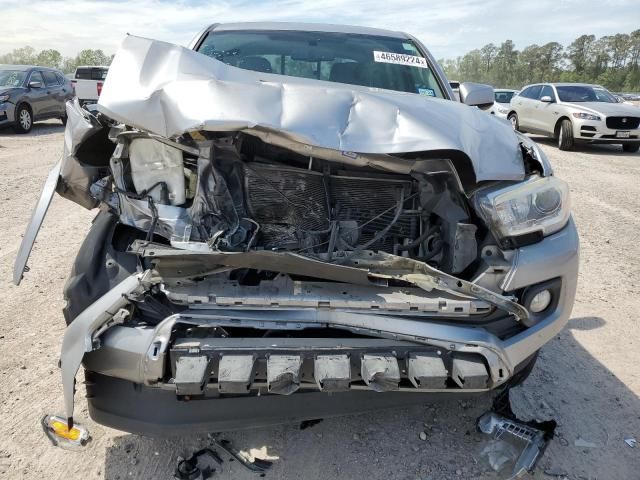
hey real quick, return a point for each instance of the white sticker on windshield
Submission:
(400, 59)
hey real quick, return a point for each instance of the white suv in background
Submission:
(576, 112)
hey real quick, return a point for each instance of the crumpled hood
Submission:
(169, 90)
(607, 109)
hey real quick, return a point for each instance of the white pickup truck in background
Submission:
(88, 81)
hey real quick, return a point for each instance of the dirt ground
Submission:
(587, 378)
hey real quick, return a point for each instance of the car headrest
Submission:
(257, 64)
(345, 72)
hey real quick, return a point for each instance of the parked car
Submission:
(29, 93)
(576, 112)
(502, 100)
(299, 220)
(88, 81)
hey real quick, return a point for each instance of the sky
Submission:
(448, 28)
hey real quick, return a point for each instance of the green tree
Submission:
(92, 57)
(49, 58)
(579, 52)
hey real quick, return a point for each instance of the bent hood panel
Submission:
(168, 90)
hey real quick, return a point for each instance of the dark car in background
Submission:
(30, 93)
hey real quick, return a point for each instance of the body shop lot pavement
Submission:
(587, 377)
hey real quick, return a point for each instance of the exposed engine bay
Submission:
(249, 195)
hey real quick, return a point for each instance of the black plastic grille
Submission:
(623, 123)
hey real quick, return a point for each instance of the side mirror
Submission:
(35, 84)
(546, 99)
(476, 94)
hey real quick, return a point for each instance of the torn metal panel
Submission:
(76, 176)
(29, 238)
(360, 268)
(186, 91)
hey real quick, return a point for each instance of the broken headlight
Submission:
(539, 204)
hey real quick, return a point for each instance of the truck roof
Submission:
(307, 27)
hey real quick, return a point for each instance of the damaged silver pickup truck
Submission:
(299, 221)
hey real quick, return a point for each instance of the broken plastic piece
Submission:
(64, 436)
(582, 443)
(631, 442)
(257, 466)
(380, 372)
(512, 431)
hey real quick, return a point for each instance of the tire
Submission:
(24, 119)
(513, 118)
(565, 135)
(630, 147)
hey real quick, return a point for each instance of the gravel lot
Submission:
(587, 378)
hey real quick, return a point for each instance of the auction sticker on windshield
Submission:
(400, 59)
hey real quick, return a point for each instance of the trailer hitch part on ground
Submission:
(509, 434)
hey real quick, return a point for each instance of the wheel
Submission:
(24, 119)
(630, 147)
(513, 118)
(565, 135)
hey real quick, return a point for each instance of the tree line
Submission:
(53, 58)
(611, 61)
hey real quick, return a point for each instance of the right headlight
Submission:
(586, 116)
(539, 204)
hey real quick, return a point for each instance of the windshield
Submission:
(503, 97)
(91, 73)
(12, 78)
(581, 93)
(366, 60)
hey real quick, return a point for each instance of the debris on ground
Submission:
(423, 436)
(514, 442)
(555, 473)
(631, 442)
(582, 443)
(196, 467)
(258, 465)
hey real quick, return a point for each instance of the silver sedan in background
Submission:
(576, 112)
(502, 106)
